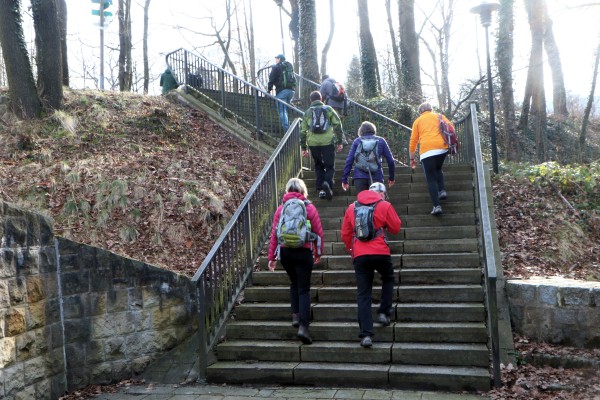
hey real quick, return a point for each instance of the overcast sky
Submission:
(576, 30)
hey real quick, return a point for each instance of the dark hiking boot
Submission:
(304, 335)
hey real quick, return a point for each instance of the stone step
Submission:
(342, 294)
(399, 188)
(347, 312)
(465, 332)
(415, 220)
(398, 199)
(382, 352)
(440, 276)
(351, 375)
(346, 277)
(417, 260)
(440, 312)
(419, 233)
(455, 207)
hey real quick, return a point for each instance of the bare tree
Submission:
(368, 56)
(145, 47)
(49, 58)
(588, 107)
(21, 86)
(62, 23)
(409, 50)
(559, 94)
(250, 39)
(125, 46)
(307, 49)
(393, 40)
(504, 61)
(441, 31)
(535, 100)
(329, 38)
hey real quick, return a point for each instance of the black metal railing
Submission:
(234, 98)
(470, 129)
(229, 263)
(396, 134)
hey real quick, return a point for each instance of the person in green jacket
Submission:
(168, 82)
(321, 131)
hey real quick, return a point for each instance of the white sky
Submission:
(576, 30)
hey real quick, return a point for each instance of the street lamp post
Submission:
(485, 14)
(280, 5)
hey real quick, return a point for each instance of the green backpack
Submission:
(288, 78)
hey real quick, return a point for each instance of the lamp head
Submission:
(485, 10)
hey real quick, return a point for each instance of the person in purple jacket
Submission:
(366, 155)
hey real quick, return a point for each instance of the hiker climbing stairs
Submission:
(437, 338)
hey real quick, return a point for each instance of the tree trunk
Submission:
(145, 47)
(62, 23)
(395, 50)
(295, 27)
(504, 61)
(21, 86)
(329, 38)
(588, 108)
(368, 56)
(559, 94)
(125, 61)
(409, 51)
(535, 76)
(308, 66)
(250, 40)
(49, 58)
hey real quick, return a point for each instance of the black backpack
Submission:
(318, 119)
(364, 228)
(288, 78)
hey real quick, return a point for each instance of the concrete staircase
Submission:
(437, 339)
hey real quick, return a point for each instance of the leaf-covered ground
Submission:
(140, 176)
(156, 181)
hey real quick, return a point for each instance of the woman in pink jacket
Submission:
(298, 262)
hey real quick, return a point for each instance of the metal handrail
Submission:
(489, 251)
(232, 96)
(228, 265)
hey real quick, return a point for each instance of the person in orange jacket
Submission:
(298, 262)
(370, 256)
(432, 153)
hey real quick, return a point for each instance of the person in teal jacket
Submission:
(168, 81)
(322, 145)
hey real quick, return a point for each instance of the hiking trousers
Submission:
(324, 158)
(364, 271)
(432, 167)
(285, 95)
(298, 263)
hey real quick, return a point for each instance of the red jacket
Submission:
(311, 214)
(385, 216)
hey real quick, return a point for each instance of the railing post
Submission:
(257, 114)
(250, 239)
(493, 320)
(185, 70)
(222, 89)
(202, 348)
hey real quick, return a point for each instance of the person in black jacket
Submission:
(282, 92)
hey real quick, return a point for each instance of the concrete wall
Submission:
(73, 315)
(556, 310)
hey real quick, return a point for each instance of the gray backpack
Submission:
(364, 227)
(366, 157)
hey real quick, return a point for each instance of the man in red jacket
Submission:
(370, 256)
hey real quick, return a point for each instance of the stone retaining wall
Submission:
(556, 310)
(73, 315)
